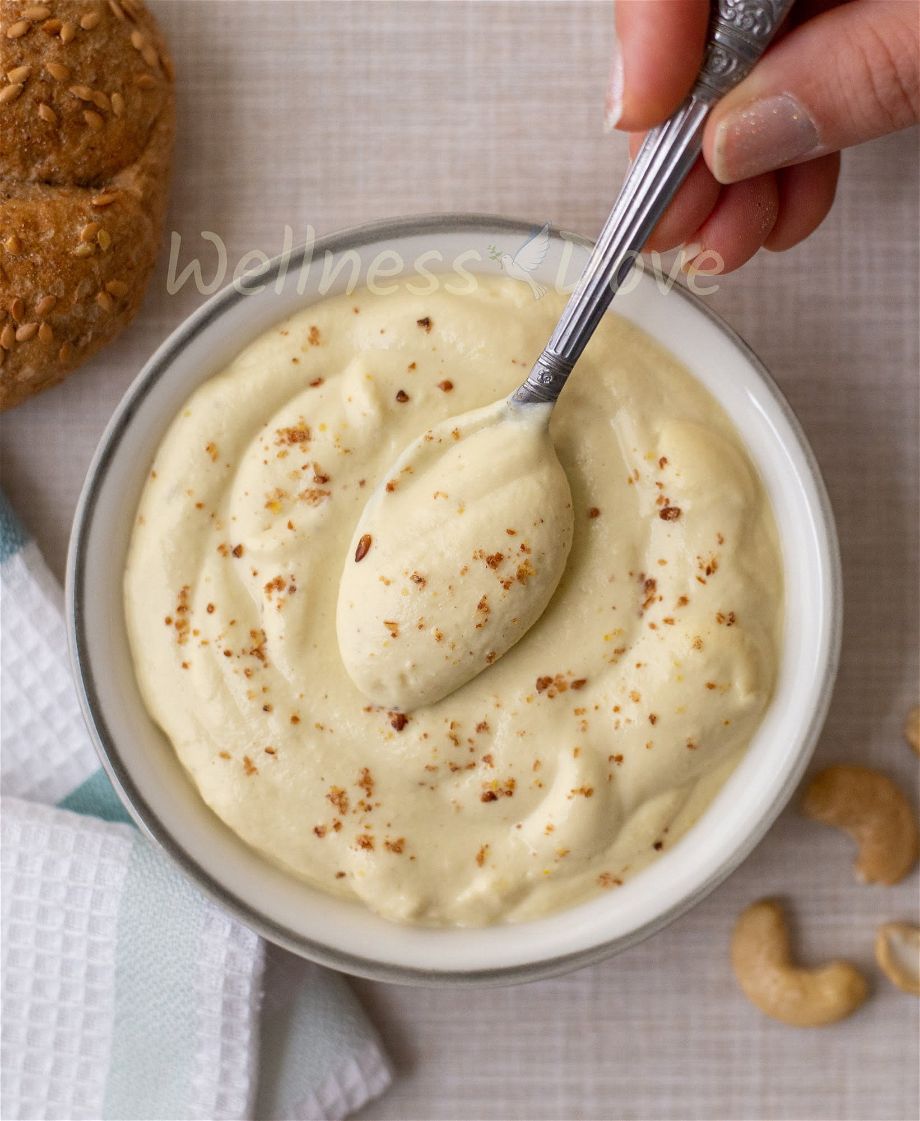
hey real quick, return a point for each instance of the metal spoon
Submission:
(739, 33)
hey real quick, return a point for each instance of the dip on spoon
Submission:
(463, 542)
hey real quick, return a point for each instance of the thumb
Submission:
(846, 76)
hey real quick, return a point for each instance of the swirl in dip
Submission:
(569, 763)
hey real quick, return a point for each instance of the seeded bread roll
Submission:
(86, 133)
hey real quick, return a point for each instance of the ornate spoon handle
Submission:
(739, 33)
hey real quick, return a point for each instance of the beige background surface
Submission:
(330, 114)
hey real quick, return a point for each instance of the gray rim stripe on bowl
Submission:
(106, 748)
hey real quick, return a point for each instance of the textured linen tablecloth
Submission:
(332, 114)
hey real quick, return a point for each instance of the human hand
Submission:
(838, 74)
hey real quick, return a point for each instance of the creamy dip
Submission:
(567, 765)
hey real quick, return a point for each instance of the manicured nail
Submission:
(763, 135)
(689, 252)
(703, 262)
(613, 104)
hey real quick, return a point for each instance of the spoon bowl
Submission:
(457, 554)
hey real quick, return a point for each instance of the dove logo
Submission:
(526, 260)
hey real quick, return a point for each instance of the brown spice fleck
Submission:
(364, 547)
(211, 449)
(524, 571)
(295, 434)
(446, 385)
(402, 396)
(364, 841)
(425, 324)
(313, 336)
(481, 855)
(494, 790)
(594, 512)
(398, 720)
(669, 513)
(396, 846)
(366, 781)
(249, 767)
(237, 551)
(607, 879)
(339, 798)
(313, 496)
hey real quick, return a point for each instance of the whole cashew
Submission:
(897, 951)
(763, 964)
(876, 815)
(912, 728)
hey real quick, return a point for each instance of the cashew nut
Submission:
(897, 951)
(876, 815)
(912, 728)
(763, 964)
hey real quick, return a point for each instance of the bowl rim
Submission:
(77, 615)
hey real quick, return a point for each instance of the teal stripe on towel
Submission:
(153, 1038)
(12, 535)
(96, 797)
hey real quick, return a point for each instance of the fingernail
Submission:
(613, 104)
(689, 252)
(704, 262)
(763, 135)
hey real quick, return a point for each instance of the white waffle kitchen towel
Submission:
(125, 993)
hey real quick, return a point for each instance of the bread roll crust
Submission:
(85, 149)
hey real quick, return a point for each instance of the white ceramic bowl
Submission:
(345, 935)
